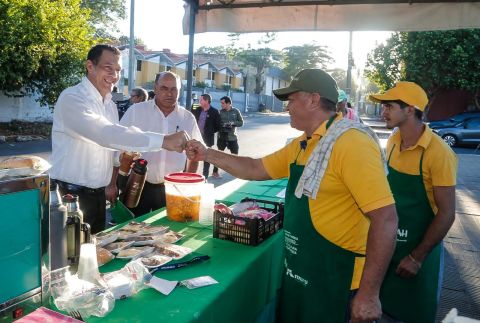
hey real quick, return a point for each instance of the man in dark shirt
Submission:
(230, 119)
(208, 119)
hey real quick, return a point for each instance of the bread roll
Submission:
(20, 162)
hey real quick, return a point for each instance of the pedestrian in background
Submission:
(138, 95)
(208, 120)
(230, 119)
(422, 176)
(342, 106)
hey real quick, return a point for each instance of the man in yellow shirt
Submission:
(422, 176)
(338, 206)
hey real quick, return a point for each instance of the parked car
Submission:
(454, 120)
(464, 132)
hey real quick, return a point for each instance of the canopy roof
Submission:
(331, 15)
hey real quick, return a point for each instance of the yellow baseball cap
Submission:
(408, 92)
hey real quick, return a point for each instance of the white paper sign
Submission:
(162, 285)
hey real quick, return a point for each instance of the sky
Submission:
(159, 25)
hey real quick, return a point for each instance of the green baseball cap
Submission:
(342, 96)
(312, 80)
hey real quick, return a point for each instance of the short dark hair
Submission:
(328, 105)
(403, 105)
(226, 98)
(207, 97)
(151, 95)
(96, 51)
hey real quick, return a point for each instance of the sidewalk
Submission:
(461, 283)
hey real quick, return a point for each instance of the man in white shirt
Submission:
(164, 115)
(86, 134)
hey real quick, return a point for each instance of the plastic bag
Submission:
(71, 293)
(127, 281)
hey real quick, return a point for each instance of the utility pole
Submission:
(191, 36)
(348, 89)
(131, 54)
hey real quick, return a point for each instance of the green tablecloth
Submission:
(248, 277)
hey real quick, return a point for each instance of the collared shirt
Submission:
(354, 183)
(148, 117)
(439, 165)
(86, 133)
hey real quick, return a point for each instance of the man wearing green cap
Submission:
(422, 176)
(339, 228)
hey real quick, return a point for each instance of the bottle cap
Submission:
(140, 166)
(70, 198)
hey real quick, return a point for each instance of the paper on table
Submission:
(281, 194)
(162, 285)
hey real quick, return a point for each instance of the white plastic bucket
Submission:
(183, 193)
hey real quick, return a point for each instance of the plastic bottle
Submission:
(207, 203)
(135, 183)
(58, 229)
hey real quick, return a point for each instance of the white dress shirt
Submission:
(86, 133)
(148, 117)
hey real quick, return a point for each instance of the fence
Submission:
(240, 100)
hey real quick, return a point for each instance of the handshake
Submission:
(180, 141)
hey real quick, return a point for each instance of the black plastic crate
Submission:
(248, 231)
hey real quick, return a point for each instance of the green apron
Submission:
(318, 276)
(415, 299)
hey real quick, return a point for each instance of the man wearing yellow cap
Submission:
(422, 176)
(339, 227)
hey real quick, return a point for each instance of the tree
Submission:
(125, 40)
(340, 75)
(44, 45)
(104, 16)
(216, 50)
(436, 60)
(261, 59)
(298, 58)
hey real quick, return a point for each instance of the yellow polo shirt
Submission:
(439, 166)
(354, 183)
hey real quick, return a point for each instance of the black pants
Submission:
(152, 198)
(92, 202)
(223, 143)
(206, 167)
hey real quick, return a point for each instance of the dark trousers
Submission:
(206, 167)
(223, 143)
(92, 202)
(152, 198)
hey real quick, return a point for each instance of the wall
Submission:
(448, 103)
(24, 108)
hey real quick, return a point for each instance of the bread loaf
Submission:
(21, 162)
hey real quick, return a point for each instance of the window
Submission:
(169, 68)
(139, 65)
(473, 124)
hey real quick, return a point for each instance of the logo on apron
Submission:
(402, 235)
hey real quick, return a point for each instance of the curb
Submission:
(20, 138)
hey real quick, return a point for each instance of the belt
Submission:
(78, 188)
